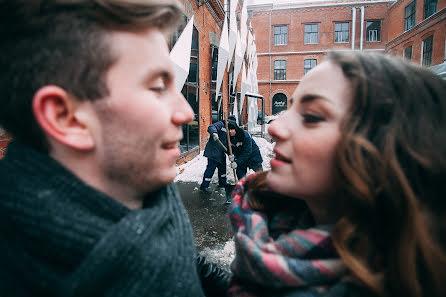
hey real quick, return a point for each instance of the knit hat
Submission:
(232, 123)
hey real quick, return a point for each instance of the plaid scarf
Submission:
(276, 258)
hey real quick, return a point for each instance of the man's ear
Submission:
(63, 118)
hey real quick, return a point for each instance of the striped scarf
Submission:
(276, 258)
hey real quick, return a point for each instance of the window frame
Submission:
(342, 32)
(378, 34)
(405, 56)
(427, 57)
(410, 20)
(311, 33)
(306, 69)
(280, 71)
(426, 8)
(281, 35)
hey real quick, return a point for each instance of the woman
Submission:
(353, 204)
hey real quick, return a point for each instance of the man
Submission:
(87, 208)
(245, 150)
(215, 152)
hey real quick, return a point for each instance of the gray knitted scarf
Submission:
(60, 237)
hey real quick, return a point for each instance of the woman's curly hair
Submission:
(391, 165)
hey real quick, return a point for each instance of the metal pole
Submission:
(353, 27)
(229, 144)
(362, 28)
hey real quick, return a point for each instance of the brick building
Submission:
(199, 89)
(417, 30)
(297, 34)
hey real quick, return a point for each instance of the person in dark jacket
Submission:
(245, 150)
(87, 203)
(215, 152)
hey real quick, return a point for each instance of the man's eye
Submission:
(311, 119)
(158, 90)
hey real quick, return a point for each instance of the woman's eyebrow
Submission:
(307, 98)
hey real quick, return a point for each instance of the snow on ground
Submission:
(193, 170)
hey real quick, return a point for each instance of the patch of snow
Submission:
(222, 255)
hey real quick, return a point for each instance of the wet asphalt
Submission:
(208, 214)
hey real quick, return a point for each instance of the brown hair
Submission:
(64, 43)
(391, 164)
(392, 168)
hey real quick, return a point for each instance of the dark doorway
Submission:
(279, 103)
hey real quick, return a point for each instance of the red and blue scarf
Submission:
(274, 257)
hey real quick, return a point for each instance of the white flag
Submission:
(237, 62)
(235, 110)
(243, 27)
(180, 55)
(243, 87)
(252, 113)
(223, 54)
(232, 31)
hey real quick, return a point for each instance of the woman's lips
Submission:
(279, 160)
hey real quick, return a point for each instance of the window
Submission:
(214, 63)
(280, 35)
(427, 51)
(309, 64)
(408, 53)
(409, 16)
(341, 32)
(190, 91)
(311, 33)
(280, 70)
(430, 7)
(373, 31)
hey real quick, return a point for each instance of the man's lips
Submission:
(170, 145)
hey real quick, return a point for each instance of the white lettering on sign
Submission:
(279, 103)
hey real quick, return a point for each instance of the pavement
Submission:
(208, 214)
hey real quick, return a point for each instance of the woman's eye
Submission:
(311, 119)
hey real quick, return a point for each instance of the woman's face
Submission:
(307, 134)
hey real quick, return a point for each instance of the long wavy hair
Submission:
(391, 174)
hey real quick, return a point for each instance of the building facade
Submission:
(417, 31)
(296, 36)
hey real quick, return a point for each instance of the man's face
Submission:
(232, 132)
(139, 123)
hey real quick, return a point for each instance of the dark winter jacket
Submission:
(244, 148)
(213, 149)
(61, 237)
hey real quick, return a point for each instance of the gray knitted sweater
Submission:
(60, 237)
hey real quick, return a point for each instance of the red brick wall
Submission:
(205, 23)
(434, 26)
(397, 12)
(295, 51)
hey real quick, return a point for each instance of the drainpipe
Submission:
(269, 53)
(353, 27)
(362, 28)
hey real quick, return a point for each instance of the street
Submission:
(210, 221)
